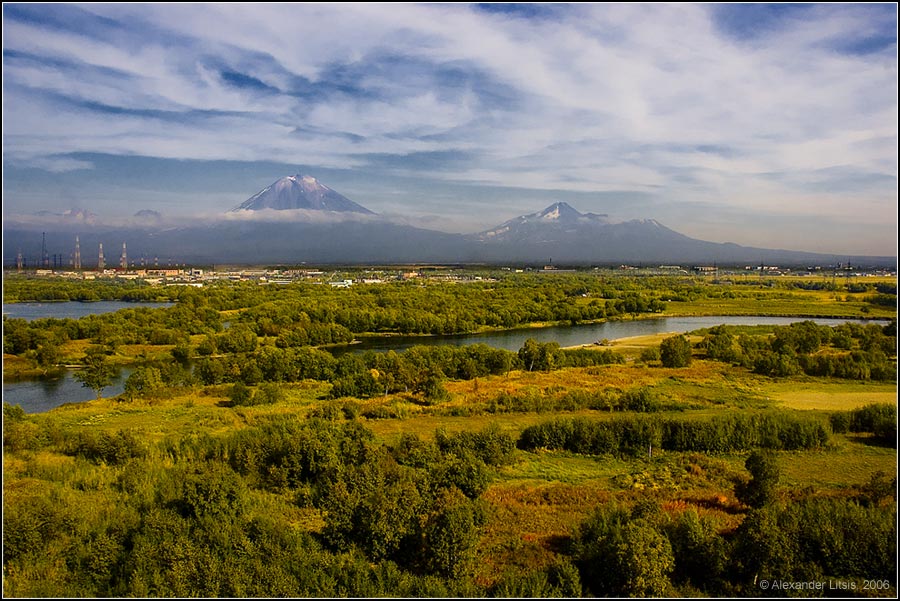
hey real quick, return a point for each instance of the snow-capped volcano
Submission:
(558, 218)
(300, 192)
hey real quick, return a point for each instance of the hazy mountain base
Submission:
(365, 239)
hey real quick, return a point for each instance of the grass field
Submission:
(534, 504)
(747, 297)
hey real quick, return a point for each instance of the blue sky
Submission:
(764, 125)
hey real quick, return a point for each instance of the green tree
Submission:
(237, 339)
(450, 534)
(700, 553)
(240, 394)
(536, 356)
(182, 352)
(644, 559)
(47, 354)
(207, 346)
(143, 381)
(620, 555)
(432, 387)
(675, 351)
(97, 373)
(764, 475)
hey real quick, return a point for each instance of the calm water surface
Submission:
(70, 309)
(42, 395)
(36, 396)
(512, 340)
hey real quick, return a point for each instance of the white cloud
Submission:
(600, 97)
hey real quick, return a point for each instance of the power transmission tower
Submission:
(45, 258)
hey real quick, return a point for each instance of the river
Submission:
(512, 340)
(43, 394)
(36, 396)
(70, 309)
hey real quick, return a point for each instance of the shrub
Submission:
(650, 354)
(675, 351)
(107, 447)
(764, 475)
(240, 394)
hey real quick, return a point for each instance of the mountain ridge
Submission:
(298, 219)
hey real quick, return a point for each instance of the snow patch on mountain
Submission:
(300, 192)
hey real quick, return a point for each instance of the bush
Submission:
(764, 475)
(675, 351)
(106, 447)
(240, 394)
(650, 354)
(211, 490)
(144, 381)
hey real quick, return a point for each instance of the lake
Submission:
(70, 309)
(36, 396)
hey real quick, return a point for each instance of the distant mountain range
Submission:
(297, 219)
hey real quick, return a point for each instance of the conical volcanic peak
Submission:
(301, 192)
(560, 211)
(556, 220)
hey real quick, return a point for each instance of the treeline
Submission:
(878, 419)
(22, 289)
(306, 314)
(397, 521)
(420, 369)
(438, 308)
(638, 434)
(852, 351)
(139, 325)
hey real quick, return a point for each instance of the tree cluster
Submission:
(879, 419)
(398, 520)
(636, 434)
(644, 552)
(851, 351)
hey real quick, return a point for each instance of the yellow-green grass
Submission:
(617, 376)
(813, 304)
(527, 522)
(534, 504)
(561, 467)
(851, 463)
(828, 394)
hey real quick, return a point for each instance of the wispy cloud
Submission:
(789, 111)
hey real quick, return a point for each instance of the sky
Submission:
(767, 125)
